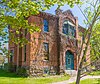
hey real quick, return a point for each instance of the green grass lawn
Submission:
(11, 78)
(90, 81)
(95, 73)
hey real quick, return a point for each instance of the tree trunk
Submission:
(79, 73)
(78, 77)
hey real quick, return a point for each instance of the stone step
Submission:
(71, 72)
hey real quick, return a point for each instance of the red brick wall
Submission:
(65, 43)
(37, 39)
(34, 50)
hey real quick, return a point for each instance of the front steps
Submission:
(71, 72)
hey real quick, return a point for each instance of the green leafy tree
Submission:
(95, 42)
(91, 13)
(14, 14)
(2, 60)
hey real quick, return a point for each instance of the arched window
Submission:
(69, 28)
(65, 27)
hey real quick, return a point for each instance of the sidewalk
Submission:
(73, 79)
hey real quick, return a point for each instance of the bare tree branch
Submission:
(83, 14)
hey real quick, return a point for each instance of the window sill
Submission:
(45, 32)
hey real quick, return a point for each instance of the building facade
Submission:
(57, 44)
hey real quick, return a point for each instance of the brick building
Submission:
(56, 45)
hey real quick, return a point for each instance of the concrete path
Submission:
(73, 79)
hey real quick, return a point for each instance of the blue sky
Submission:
(75, 10)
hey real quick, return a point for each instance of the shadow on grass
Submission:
(4, 73)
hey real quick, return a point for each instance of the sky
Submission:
(75, 10)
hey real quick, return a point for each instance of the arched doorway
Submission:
(69, 58)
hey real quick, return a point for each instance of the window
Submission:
(68, 28)
(73, 31)
(46, 28)
(69, 61)
(46, 70)
(11, 55)
(65, 28)
(25, 53)
(46, 51)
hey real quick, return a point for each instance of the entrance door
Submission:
(69, 60)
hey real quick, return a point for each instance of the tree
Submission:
(14, 13)
(91, 14)
(2, 60)
(95, 46)
(3, 41)
(95, 42)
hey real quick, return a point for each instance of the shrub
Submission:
(10, 67)
(22, 71)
